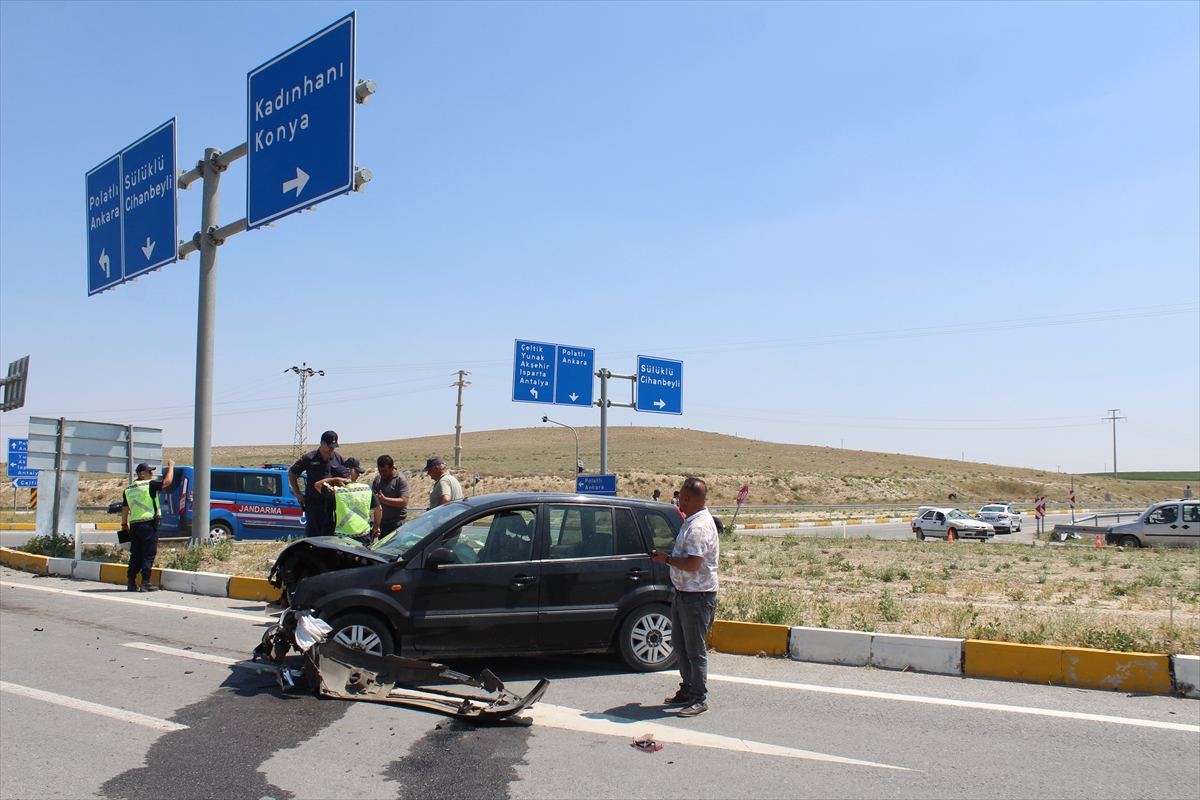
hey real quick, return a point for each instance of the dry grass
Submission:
(1074, 595)
(540, 459)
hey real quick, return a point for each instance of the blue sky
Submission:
(942, 229)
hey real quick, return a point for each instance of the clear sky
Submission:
(954, 230)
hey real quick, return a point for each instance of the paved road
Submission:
(903, 530)
(168, 723)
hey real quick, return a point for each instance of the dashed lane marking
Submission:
(119, 598)
(91, 708)
(941, 701)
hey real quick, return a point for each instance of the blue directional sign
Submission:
(18, 455)
(659, 385)
(533, 372)
(301, 126)
(596, 484)
(25, 483)
(132, 213)
(574, 367)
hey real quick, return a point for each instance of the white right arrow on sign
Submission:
(296, 183)
(660, 403)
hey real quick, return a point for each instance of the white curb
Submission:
(86, 570)
(920, 653)
(1187, 674)
(60, 567)
(826, 646)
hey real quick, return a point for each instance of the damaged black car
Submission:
(498, 575)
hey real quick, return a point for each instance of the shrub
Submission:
(54, 545)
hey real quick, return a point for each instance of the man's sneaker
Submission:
(694, 710)
(678, 699)
(131, 587)
(149, 587)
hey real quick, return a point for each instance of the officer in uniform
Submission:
(356, 510)
(316, 465)
(139, 518)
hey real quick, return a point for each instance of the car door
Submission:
(1189, 527)
(594, 559)
(487, 601)
(260, 504)
(1162, 525)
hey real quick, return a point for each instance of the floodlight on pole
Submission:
(305, 372)
(578, 462)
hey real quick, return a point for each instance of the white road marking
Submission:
(118, 598)
(573, 719)
(257, 666)
(92, 708)
(941, 701)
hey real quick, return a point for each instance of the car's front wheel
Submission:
(645, 639)
(220, 532)
(920, 534)
(1130, 541)
(364, 632)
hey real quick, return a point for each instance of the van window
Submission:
(263, 483)
(1191, 513)
(661, 532)
(1164, 515)
(222, 481)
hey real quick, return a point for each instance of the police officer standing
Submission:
(316, 465)
(357, 512)
(139, 518)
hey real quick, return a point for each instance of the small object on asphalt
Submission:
(147, 659)
(37, 629)
(646, 743)
(189, 647)
(187, 672)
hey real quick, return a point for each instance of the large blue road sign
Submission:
(596, 484)
(18, 455)
(300, 123)
(533, 372)
(574, 367)
(132, 212)
(659, 385)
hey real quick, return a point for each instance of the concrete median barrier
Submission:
(86, 570)
(62, 567)
(1187, 674)
(749, 638)
(826, 646)
(36, 564)
(5, 556)
(1128, 672)
(1006, 661)
(919, 653)
(114, 573)
(242, 588)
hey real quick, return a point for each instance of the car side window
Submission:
(940, 517)
(260, 483)
(626, 541)
(495, 538)
(660, 530)
(1191, 512)
(1163, 516)
(581, 532)
(928, 515)
(223, 481)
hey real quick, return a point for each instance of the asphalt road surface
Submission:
(110, 694)
(903, 530)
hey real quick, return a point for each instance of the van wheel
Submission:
(645, 639)
(920, 535)
(1130, 541)
(363, 632)
(952, 535)
(219, 532)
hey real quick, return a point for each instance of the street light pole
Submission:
(572, 430)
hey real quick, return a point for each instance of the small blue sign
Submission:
(533, 372)
(18, 460)
(574, 367)
(596, 484)
(132, 211)
(25, 483)
(300, 126)
(659, 385)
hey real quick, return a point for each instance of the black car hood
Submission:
(339, 543)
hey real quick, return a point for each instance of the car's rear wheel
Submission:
(364, 632)
(951, 535)
(1130, 541)
(920, 535)
(645, 639)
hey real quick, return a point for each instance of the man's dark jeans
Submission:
(692, 616)
(143, 547)
(316, 519)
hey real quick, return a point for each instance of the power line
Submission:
(461, 383)
(1112, 416)
(305, 372)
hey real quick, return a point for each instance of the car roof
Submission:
(506, 498)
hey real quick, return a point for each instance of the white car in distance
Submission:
(949, 524)
(1001, 516)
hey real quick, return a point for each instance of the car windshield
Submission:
(397, 543)
(956, 514)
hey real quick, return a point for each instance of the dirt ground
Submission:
(644, 459)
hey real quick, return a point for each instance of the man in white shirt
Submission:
(693, 564)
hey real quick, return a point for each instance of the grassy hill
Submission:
(541, 459)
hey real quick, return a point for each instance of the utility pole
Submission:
(461, 383)
(305, 372)
(1112, 417)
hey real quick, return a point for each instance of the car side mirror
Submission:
(440, 557)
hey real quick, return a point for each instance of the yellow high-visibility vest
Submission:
(142, 506)
(352, 510)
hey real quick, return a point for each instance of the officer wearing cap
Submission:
(139, 518)
(356, 510)
(316, 465)
(445, 486)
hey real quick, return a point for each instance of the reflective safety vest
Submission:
(142, 506)
(352, 512)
